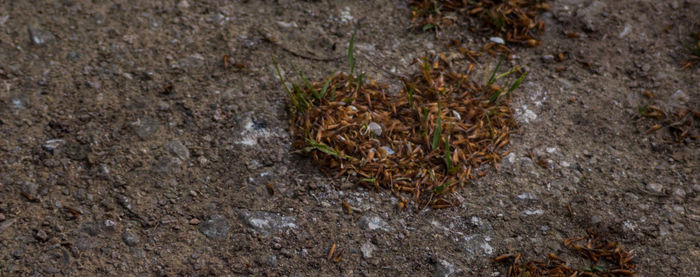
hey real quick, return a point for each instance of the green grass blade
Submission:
(279, 73)
(442, 187)
(448, 156)
(495, 96)
(325, 86)
(493, 74)
(308, 84)
(504, 74)
(410, 96)
(438, 130)
(320, 146)
(516, 84)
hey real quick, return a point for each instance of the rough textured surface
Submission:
(140, 154)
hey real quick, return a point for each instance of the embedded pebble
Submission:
(532, 212)
(373, 222)
(176, 148)
(367, 248)
(655, 188)
(39, 35)
(52, 144)
(146, 127)
(130, 238)
(216, 227)
(266, 223)
(444, 269)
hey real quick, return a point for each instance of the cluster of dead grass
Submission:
(422, 143)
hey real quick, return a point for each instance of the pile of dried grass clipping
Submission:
(422, 143)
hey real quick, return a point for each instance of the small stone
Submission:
(375, 128)
(39, 35)
(509, 160)
(373, 222)
(548, 58)
(655, 188)
(146, 127)
(183, 4)
(41, 235)
(130, 238)
(270, 260)
(596, 219)
(168, 165)
(679, 99)
(497, 40)
(532, 212)
(110, 225)
(679, 192)
(444, 269)
(475, 221)
(52, 144)
(266, 223)
(367, 248)
(2, 217)
(30, 189)
(526, 196)
(194, 221)
(178, 149)
(216, 227)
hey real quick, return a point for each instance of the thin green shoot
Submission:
(410, 96)
(493, 79)
(369, 180)
(279, 73)
(441, 188)
(516, 84)
(504, 74)
(642, 110)
(428, 26)
(426, 65)
(332, 97)
(299, 98)
(512, 87)
(308, 84)
(325, 85)
(438, 130)
(320, 146)
(448, 157)
(488, 121)
(495, 96)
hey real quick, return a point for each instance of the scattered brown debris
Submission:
(682, 124)
(332, 251)
(517, 20)
(423, 142)
(607, 260)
